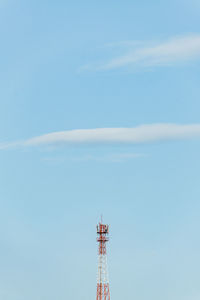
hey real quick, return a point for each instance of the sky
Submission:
(99, 115)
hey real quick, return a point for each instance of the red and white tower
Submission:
(103, 292)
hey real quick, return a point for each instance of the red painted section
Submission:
(103, 292)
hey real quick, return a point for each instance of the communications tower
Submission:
(103, 292)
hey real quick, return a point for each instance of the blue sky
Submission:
(99, 114)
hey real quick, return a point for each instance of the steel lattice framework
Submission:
(103, 292)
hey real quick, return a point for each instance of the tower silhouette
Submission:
(103, 291)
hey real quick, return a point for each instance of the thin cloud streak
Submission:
(147, 133)
(107, 158)
(175, 50)
(137, 135)
(113, 158)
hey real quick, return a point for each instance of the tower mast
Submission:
(103, 292)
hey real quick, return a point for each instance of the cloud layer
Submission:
(177, 49)
(104, 136)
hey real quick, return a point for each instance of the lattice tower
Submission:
(103, 292)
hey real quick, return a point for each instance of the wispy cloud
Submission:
(105, 158)
(7, 145)
(113, 158)
(147, 133)
(174, 50)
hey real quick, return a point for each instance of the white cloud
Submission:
(178, 49)
(114, 157)
(141, 134)
(110, 158)
(8, 145)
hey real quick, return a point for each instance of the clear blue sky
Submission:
(68, 65)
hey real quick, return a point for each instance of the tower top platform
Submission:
(102, 228)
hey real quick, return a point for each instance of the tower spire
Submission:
(103, 292)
